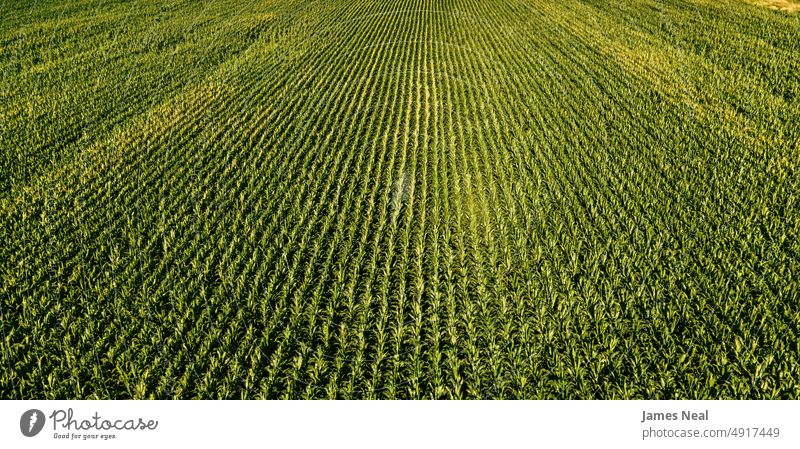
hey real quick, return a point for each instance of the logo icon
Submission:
(31, 422)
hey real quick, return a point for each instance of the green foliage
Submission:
(406, 199)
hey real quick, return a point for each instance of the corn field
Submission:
(403, 199)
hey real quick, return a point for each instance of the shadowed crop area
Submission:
(399, 199)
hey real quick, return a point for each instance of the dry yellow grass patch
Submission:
(781, 5)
